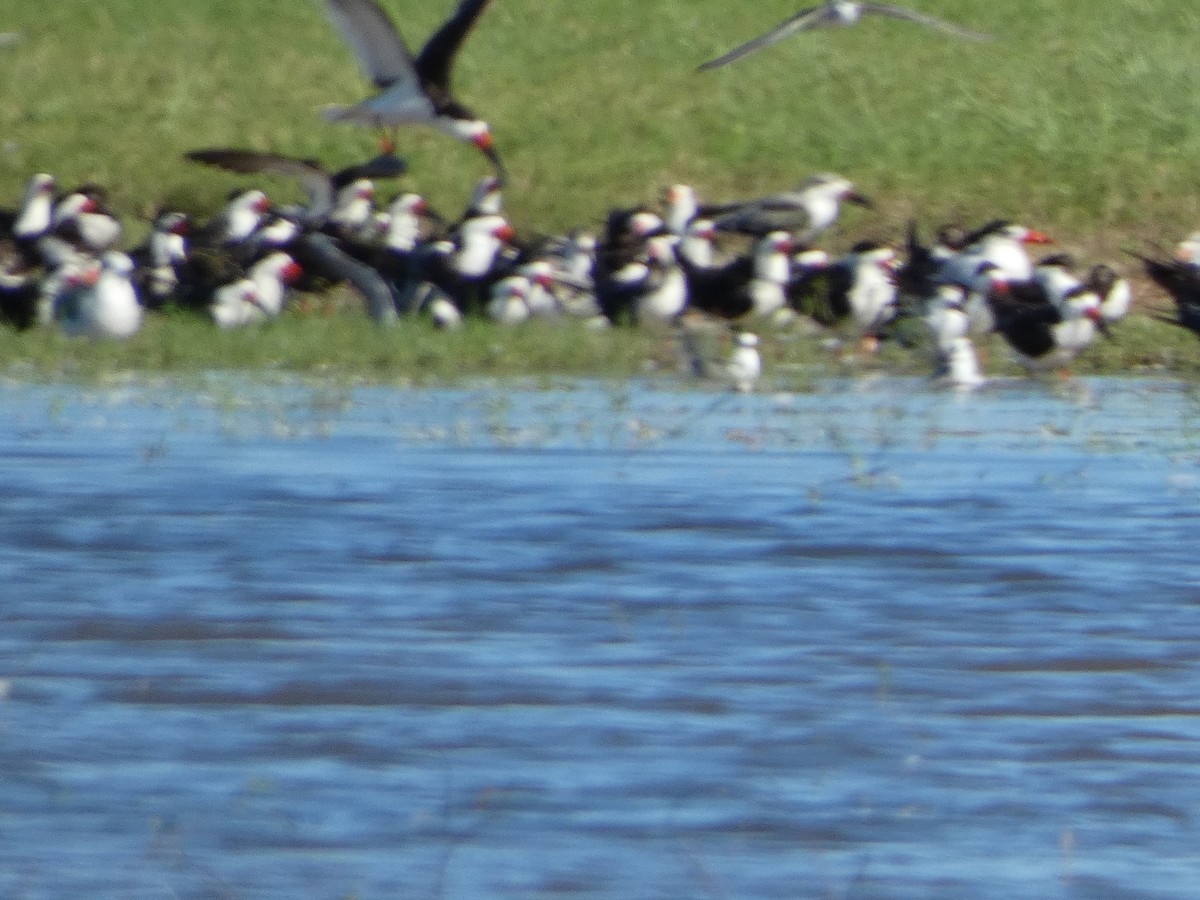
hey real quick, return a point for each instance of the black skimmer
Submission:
(1180, 278)
(750, 285)
(567, 266)
(162, 259)
(412, 90)
(839, 13)
(459, 272)
(237, 221)
(862, 288)
(697, 247)
(1056, 276)
(508, 301)
(258, 296)
(487, 199)
(920, 275)
(809, 268)
(84, 219)
(680, 208)
(999, 243)
(1188, 250)
(626, 234)
(807, 211)
(651, 289)
(1045, 336)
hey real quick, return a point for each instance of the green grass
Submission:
(1082, 119)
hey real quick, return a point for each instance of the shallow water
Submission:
(599, 641)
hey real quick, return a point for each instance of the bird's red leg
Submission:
(387, 141)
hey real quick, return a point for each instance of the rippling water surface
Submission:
(599, 642)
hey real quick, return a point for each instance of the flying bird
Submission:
(318, 183)
(412, 90)
(839, 13)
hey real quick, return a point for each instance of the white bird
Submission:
(696, 245)
(1188, 250)
(839, 13)
(508, 303)
(81, 219)
(237, 220)
(680, 208)
(257, 296)
(958, 366)
(102, 302)
(948, 321)
(404, 217)
(744, 366)
(412, 90)
(740, 369)
(480, 240)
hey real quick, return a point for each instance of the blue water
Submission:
(283, 640)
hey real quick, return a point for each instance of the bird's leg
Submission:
(387, 141)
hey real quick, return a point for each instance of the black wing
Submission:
(436, 59)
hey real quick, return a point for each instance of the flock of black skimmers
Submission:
(676, 263)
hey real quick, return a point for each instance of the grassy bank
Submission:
(1082, 119)
(347, 348)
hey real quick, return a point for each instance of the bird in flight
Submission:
(412, 90)
(839, 13)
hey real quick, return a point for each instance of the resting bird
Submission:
(838, 13)
(808, 210)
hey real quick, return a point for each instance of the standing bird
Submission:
(838, 13)
(412, 91)
(740, 369)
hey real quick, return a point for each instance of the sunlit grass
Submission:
(1081, 116)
